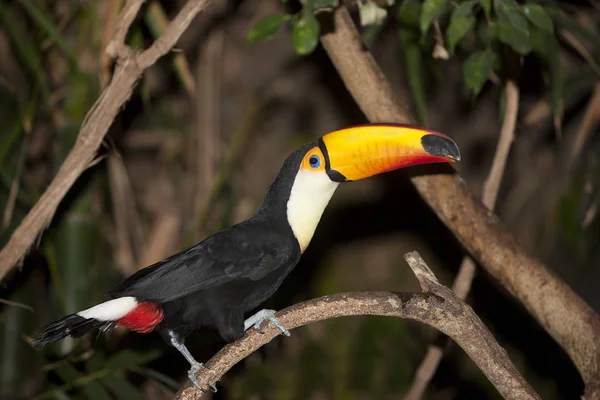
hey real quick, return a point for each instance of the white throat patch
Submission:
(310, 194)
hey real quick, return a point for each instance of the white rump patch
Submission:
(310, 194)
(110, 310)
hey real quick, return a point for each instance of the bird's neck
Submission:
(309, 196)
(298, 201)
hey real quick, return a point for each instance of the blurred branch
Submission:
(466, 272)
(590, 119)
(158, 22)
(16, 183)
(207, 153)
(436, 306)
(112, 13)
(557, 308)
(16, 304)
(232, 153)
(129, 69)
(126, 219)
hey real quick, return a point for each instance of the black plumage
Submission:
(217, 281)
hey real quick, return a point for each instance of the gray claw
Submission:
(257, 319)
(192, 376)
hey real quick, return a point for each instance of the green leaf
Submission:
(487, 7)
(477, 69)
(92, 388)
(95, 362)
(317, 4)
(128, 359)
(158, 377)
(457, 29)
(512, 27)
(463, 10)
(409, 13)
(267, 27)
(545, 46)
(431, 10)
(538, 16)
(511, 16)
(413, 60)
(516, 39)
(305, 33)
(486, 32)
(122, 388)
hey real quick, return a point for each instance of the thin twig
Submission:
(16, 304)
(236, 144)
(97, 122)
(464, 278)
(163, 239)
(121, 197)
(159, 21)
(112, 12)
(207, 126)
(436, 306)
(16, 182)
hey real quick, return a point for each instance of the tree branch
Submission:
(130, 67)
(563, 314)
(436, 306)
(462, 284)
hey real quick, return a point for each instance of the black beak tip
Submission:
(440, 146)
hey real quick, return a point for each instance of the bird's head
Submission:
(311, 174)
(362, 151)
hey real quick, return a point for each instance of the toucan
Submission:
(217, 281)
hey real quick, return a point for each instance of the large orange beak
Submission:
(361, 151)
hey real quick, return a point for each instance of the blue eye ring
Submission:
(314, 161)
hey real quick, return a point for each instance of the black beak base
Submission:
(440, 146)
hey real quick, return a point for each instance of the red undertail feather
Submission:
(143, 318)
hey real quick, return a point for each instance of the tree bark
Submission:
(436, 306)
(564, 315)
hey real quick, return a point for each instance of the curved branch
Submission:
(557, 308)
(130, 67)
(436, 306)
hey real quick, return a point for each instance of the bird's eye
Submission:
(314, 161)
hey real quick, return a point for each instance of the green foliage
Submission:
(477, 68)
(538, 17)
(487, 7)
(461, 23)
(102, 376)
(431, 10)
(305, 28)
(305, 33)
(512, 26)
(267, 27)
(409, 14)
(58, 88)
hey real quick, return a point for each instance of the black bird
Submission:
(217, 281)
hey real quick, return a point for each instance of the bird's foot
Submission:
(264, 315)
(192, 375)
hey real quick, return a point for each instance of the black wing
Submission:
(238, 252)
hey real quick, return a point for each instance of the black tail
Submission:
(72, 325)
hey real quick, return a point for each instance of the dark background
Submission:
(181, 164)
